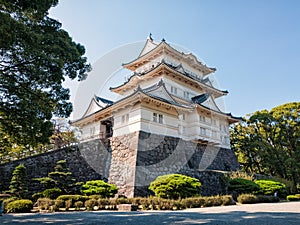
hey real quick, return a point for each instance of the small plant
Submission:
(52, 193)
(247, 199)
(243, 186)
(99, 187)
(90, 204)
(269, 187)
(20, 206)
(240, 174)
(293, 198)
(175, 186)
(78, 205)
(68, 204)
(44, 203)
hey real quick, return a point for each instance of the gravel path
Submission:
(272, 213)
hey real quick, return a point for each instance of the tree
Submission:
(60, 178)
(99, 187)
(268, 142)
(18, 185)
(36, 56)
(174, 186)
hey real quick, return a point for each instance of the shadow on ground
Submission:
(140, 218)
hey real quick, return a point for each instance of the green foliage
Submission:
(45, 203)
(78, 204)
(268, 142)
(52, 193)
(269, 187)
(241, 185)
(6, 201)
(61, 178)
(36, 56)
(19, 206)
(252, 199)
(174, 186)
(18, 185)
(99, 187)
(90, 204)
(71, 199)
(293, 198)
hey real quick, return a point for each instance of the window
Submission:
(181, 117)
(203, 131)
(173, 90)
(125, 118)
(158, 118)
(202, 118)
(186, 95)
(155, 117)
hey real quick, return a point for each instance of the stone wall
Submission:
(88, 161)
(132, 161)
(159, 155)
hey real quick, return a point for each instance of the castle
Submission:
(166, 121)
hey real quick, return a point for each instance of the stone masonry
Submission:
(132, 161)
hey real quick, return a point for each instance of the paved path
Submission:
(278, 213)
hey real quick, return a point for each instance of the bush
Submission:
(6, 201)
(251, 199)
(269, 187)
(174, 186)
(73, 198)
(247, 199)
(52, 193)
(78, 204)
(90, 204)
(45, 203)
(99, 187)
(292, 198)
(20, 206)
(243, 186)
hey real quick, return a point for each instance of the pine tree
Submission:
(60, 178)
(18, 184)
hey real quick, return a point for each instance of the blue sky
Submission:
(255, 45)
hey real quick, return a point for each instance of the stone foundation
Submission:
(132, 162)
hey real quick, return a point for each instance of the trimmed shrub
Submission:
(73, 198)
(269, 187)
(6, 201)
(292, 198)
(45, 203)
(174, 186)
(68, 204)
(37, 195)
(90, 204)
(19, 206)
(251, 199)
(243, 186)
(78, 205)
(52, 193)
(247, 199)
(99, 187)
(266, 199)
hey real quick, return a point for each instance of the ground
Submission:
(269, 213)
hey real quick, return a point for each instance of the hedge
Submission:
(19, 206)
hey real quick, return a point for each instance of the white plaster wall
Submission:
(133, 124)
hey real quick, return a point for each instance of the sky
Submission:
(254, 45)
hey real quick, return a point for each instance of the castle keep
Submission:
(165, 121)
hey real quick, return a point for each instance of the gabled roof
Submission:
(135, 79)
(159, 91)
(151, 52)
(96, 104)
(207, 102)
